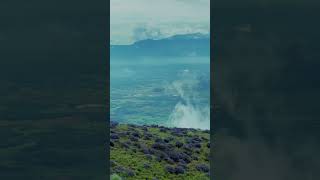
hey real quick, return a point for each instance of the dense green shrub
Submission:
(115, 177)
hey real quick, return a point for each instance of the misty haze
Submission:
(169, 90)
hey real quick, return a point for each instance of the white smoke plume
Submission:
(189, 112)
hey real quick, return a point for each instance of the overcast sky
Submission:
(133, 20)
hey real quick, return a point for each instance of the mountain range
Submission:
(196, 44)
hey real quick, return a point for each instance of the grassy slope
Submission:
(132, 157)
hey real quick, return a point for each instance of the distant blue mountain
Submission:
(179, 45)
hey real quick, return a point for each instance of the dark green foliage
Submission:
(115, 177)
(158, 156)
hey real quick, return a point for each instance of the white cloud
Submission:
(162, 16)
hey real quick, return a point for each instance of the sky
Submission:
(134, 20)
